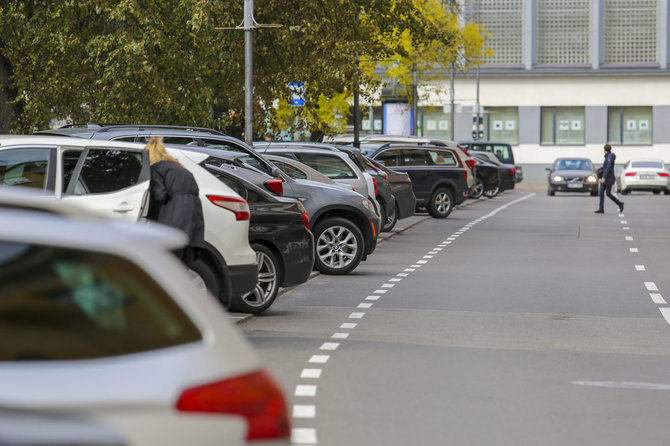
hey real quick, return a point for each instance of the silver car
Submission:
(648, 175)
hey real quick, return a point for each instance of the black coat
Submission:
(174, 201)
(608, 169)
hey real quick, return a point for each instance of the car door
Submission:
(108, 180)
(32, 167)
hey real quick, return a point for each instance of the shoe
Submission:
(599, 211)
(621, 207)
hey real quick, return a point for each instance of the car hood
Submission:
(573, 173)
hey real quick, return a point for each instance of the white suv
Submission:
(112, 178)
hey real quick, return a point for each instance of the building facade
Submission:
(565, 77)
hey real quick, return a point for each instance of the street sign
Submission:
(297, 90)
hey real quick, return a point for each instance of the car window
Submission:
(648, 164)
(502, 152)
(291, 171)
(69, 159)
(108, 170)
(131, 139)
(65, 304)
(251, 159)
(390, 157)
(331, 166)
(442, 158)
(24, 167)
(416, 158)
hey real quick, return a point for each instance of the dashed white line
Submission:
(629, 238)
(319, 359)
(626, 228)
(634, 250)
(364, 305)
(303, 435)
(380, 291)
(640, 268)
(388, 285)
(624, 222)
(416, 266)
(305, 390)
(409, 270)
(422, 262)
(402, 275)
(394, 279)
(329, 346)
(666, 314)
(657, 298)
(651, 286)
(340, 335)
(356, 315)
(427, 257)
(310, 373)
(304, 411)
(372, 298)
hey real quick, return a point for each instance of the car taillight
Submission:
(661, 174)
(470, 162)
(276, 186)
(237, 206)
(513, 171)
(631, 174)
(254, 396)
(374, 181)
(305, 220)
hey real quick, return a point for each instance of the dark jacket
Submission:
(174, 200)
(608, 168)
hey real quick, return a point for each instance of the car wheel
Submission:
(625, 192)
(382, 215)
(204, 277)
(490, 193)
(656, 192)
(551, 192)
(594, 193)
(265, 293)
(666, 192)
(477, 189)
(391, 219)
(441, 203)
(339, 246)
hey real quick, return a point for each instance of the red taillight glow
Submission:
(470, 162)
(237, 206)
(374, 181)
(305, 220)
(254, 396)
(631, 174)
(513, 170)
(276, 186)
(661, 174)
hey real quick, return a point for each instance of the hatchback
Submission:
(100, 323)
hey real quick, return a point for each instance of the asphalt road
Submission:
(521, 320)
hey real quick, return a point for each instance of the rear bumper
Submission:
(406, 202)
(243, 278)
(298, 260)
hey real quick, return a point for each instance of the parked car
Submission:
(344, 223)
(112, 178)
(487, 180)
(572, 175)
(280, 234)
(100, 323)
(502, 150)
(644, 175)
(401, 187)
(507, 171)
(437, 173)
(334, 164)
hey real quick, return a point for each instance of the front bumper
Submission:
(577, 186)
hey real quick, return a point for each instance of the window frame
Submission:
(555, 110)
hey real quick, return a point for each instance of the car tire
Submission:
(551, 192)
(204, 275)
(656, 192)
(391, 219)
(265, 292)
(492, 192)
(441, 203)
(477, 189)
(666, 192)
(338, 245)
(382, 214)
(625, 192)
(594, 193)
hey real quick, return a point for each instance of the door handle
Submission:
(123, 207)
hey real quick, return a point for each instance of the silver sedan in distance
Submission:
(648, 175)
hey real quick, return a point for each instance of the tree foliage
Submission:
(163, 61)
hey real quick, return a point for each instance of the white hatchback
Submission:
(99, 324)
(112, 178)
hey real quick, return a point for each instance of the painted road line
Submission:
(348, 326)
(427, 257)
(409, 270)
(651, 286)
(364, 305)
(657, 298)
(634, 250)
(303, 435)
(380, 291)
(304, 411)
(356, 315)
(624, 222)
(402, 275)
(629, 238)
(305, 390)
(422, 262)
(388, 285)
(640, 268)
(319, 359)
(310, 373)
(394, 279)
(340, 335)
(665, 311)
(329, 346)
(372, 298)
(626, 228)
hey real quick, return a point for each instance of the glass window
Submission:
(389, 158)
(563, 28)
(291, 171)
(24, 167)
(562, 125)
(251, 159)
(436, 122)
(416, 158)
(65, 304)
(629, 125)
(630, 31)
(647, 164)
(502, 124)
(442, 158)
(331, 166)
(503, 19)
(108, 170)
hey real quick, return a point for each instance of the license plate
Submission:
(575, 186)
(647, 177)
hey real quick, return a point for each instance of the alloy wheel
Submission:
(267, 282)
(337, 247)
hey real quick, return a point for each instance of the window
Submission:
(418, 158)
(630, 31)
(24, 167)
(331, 166)
(563, 32)
(389, 158)
(108, 170)
(436, 122)
(442, 158)
(67, 304)
(291, 171)
(502, 124)
(562, 125)
(629, 125)
(503, 19)
(647, 165)
(251, 159)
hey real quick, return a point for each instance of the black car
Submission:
(401, 187)
(502, 150)
(487, 179)
(439, 179)
(279, 233)
(507, 171)
(572, 175)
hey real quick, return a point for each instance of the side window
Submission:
(390, 158)
(225, 179)
(24, 167)
(442, 158)
(251, 159)
(129, 139)
(502, 152)
(108, 170)
(291, 171)
(70, 159)
(181, 140)
(416, 158)
(331, 166)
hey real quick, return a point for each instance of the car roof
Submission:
(55, 140)
(91, 127)
(298, 145)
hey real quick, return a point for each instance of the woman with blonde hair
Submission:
(174, 199)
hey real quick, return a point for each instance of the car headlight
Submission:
(557, 178)
(591, 179)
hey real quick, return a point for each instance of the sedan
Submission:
(572, 175)
(507, 171)
(644, 175)
(100, 323)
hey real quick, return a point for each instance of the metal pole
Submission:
(248, 73)
(415, 98)
(453, 104)
(357, 118)
(477, 109)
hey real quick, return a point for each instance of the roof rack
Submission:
(110, 127)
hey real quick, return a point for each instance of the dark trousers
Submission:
(607, 189)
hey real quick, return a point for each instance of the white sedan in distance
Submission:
(648, 175)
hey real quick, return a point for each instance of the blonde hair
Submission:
(157, 151)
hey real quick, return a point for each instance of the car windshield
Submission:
(566, 164)
(66, 304)
(647, 164)
(331, 166)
